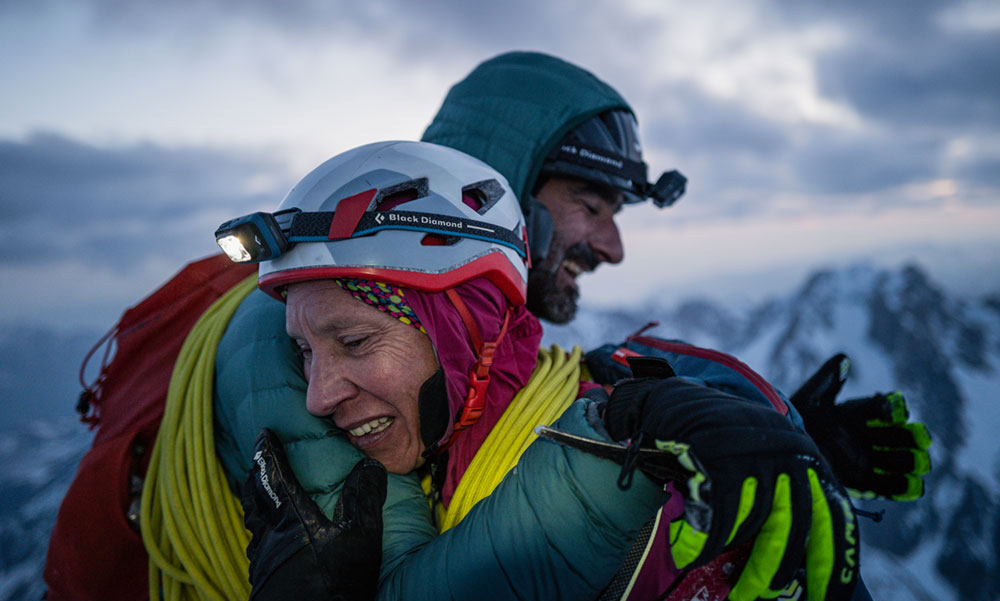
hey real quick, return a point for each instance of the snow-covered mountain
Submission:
(901, 330)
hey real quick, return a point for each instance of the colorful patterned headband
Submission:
(384, 297)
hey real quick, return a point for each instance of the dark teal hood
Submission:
(513, 109)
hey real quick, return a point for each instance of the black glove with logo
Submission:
(296, 552)
(872, 446)
(752, 476)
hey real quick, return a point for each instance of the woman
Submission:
(405, 289)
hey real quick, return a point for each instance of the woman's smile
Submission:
(373, 427)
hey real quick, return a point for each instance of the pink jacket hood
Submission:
(512, 365)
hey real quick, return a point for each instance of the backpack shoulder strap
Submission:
(608, 364)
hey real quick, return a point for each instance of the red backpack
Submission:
(96, 552)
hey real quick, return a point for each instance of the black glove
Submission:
(872, 447)
(296, 552)
(753, 476)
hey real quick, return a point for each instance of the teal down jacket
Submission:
(557, 527)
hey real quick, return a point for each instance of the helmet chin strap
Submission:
(479, 378)
(539, 224)
(432, 405)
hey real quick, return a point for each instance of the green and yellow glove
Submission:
(752, 477)
(871, 445)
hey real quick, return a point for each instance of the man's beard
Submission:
(545, 299)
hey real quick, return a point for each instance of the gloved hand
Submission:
(296, 552)
(872, 447)
(753, 476)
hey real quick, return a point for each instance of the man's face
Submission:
(584, 235)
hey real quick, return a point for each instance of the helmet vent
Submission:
(481, 196)
(391, 197)
(439, 240)
(473, 199)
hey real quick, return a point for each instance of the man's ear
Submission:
(539, 224)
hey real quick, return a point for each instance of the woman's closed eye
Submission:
(353, 342)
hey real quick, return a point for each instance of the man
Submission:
(568, 144)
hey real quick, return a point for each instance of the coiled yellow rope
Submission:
(551, 389)
(192, 524)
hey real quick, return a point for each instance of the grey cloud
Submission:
(57, 177)
(901, 19)
(921, 83)
(947, 81)
(423, 22)
(693, 120)
(733, 155)
(899, 70)
(59, 197)
(900, 66)
(832, 162)
(981, 169)
(432, 33)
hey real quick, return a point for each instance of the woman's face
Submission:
(364, 369)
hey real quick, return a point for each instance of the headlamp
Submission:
(667, 189)
(256, 237)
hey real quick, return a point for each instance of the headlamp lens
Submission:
(251, 239)
(232, 246)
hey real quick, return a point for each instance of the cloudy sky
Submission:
(813, 133)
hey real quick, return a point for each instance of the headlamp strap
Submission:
(479, 378)
(593, 157)
(352, 220)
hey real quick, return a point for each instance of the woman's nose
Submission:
(329, 386)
